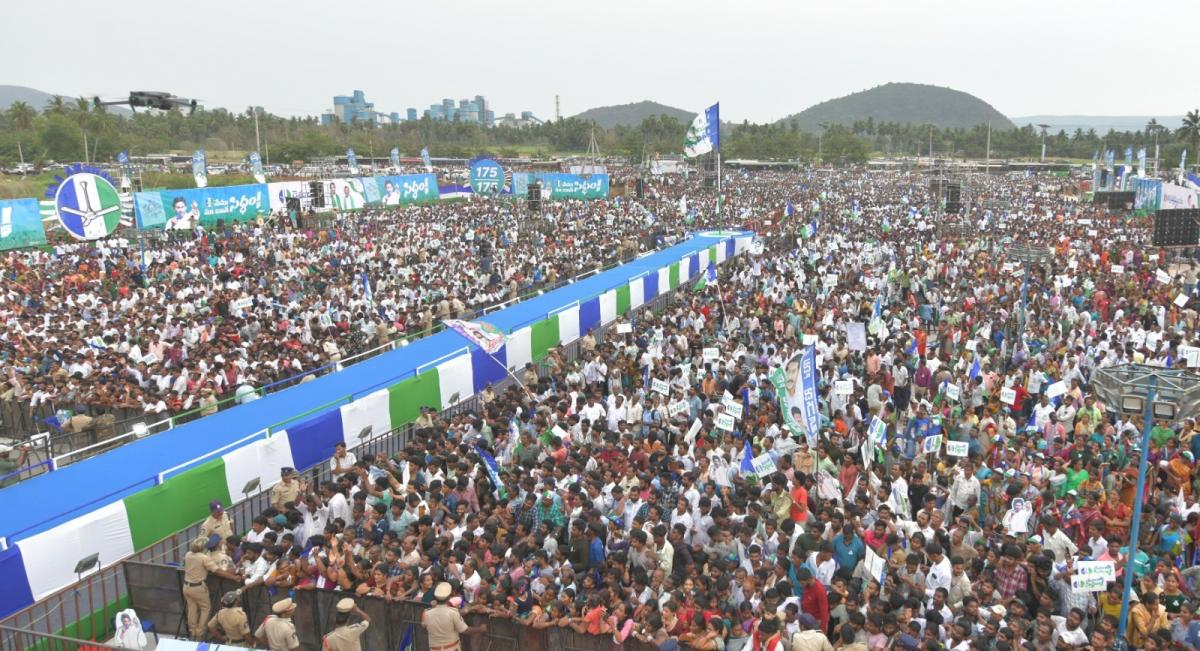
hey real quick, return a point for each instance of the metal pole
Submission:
(1135, 526)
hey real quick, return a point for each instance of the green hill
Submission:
(632, 114)
(904, 103)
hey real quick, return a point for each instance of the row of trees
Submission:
(74, 130)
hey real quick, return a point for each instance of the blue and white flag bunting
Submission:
(425, 159)
(789, 210)
(747, 466)
(704, 135)
(368, 295)
(492, 468)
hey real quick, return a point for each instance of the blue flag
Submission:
(407, 642)
(395, 156)
(493, 470)
(747, 466)
(912, 347)
(368, 295)
(974, 369)
(352, 162)
(711, 275)
(789, 210)
(425, 159)
(704, 134)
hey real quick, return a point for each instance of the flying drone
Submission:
(150, 99)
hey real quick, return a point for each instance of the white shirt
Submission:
(347, 462)
(938, 576)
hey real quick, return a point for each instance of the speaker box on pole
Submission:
(641, 189)
(1179, 227)
(317, 190)
(533, 194)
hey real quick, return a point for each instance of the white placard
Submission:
(149, 358)
(624, 328)
(1057, 389)
(1118, 268)
(241, 304)
(876, 565)
(931, 444)
(677, 407)
(733, 408)
(1105, 569)
(560, 432)
(1007, 395)
(1181, 300)
(660, 386)
(1153, 257)
(809, 339)
(957, 448)
(933, 364)
(1092, 232)
(1072, 264)
(1162, 276)
(764, 465)
(953, 392)
(725, 422)
(1093, 583)
(970, 345)
(690, 437)
(856, 336)
(830, 280)
(1191, 354)
(843, 387)
(712, 353)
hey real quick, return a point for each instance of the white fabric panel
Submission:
(50, 556)
(741, 244)
(456, 376)
(664, 280)
(370, 410)
(608, 307)
(261, 459)
(518, 351)
(568, 325)
(685, 268)
(721, 252)
(637, 293)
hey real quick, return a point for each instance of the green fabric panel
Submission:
(622, 299)
(712, 254)
(673, 276)
(543, 337)
(181, 501)
(406, 398)
(98, 627)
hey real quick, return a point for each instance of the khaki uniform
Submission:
(280, 634)
(232, 622)
(346, 638)
(284, 492)
(220, 526)
(196, 566)
(223, 560)
(444, 625)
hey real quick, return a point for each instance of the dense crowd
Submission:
(965, 488)
(155, 328)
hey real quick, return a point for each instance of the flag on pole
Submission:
(1183, 160)
(1141, 155)
(809, 230)
(974, 369)
(425, 159)
(368, 295)
(683, 205)
(485, 335)
(200, 168)
(493, 470)
(256, 168)
(747, 466)
(789, 210)
(704, 134)
(352, 162)
(126, 174)
(395, 156)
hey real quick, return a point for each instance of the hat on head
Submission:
(287, 471)
(345, 605)
(214, 539)
(807, 622)
(1035, 539)
(907, 642)
(442, 591)
(230, 598)
(1000, 610)
(215, 505)
(283, 606)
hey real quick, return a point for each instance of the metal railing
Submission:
(96, 596)
(53, 450)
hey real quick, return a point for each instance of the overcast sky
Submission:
(762, 60)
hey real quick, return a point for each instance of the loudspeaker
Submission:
(641, 189)
(1179, 227)
(293, 204)
(533, 194)
(316, 190)
(137, 185)
(1113, 199)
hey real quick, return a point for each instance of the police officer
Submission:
(197, 565)
(230, 623)
(347, 636)
(287, 490)
(278, 632)
(445, 624)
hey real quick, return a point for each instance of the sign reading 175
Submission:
(487, 177)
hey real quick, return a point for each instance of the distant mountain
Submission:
(905, 103)
(1101, 123)
(632, 114)
(38, 99)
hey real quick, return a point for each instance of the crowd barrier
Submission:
(84, 610)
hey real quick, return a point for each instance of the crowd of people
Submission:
(145, 330)
(964, 486)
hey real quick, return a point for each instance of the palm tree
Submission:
(82, 113)
(22, 115)
(57, 106)
(1191, 128)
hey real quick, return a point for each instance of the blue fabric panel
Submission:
(730, 245)
(693, 266)
(650, 286)
(16, 593)
(312, 440)
(589, 315)
(488, 369)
